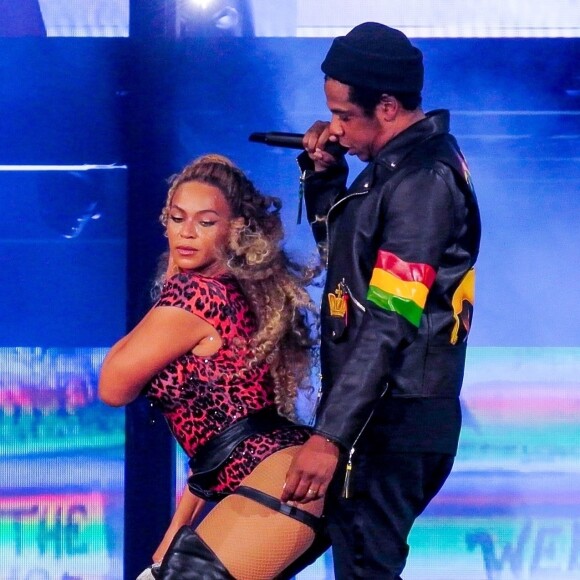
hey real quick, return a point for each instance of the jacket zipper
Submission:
(350, 294)
(346, 486)
(328, 215)
(317, 404)
(348, 473)
(301, 196)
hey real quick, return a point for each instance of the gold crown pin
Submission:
(337, 302)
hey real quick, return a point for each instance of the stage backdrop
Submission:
(92, 128)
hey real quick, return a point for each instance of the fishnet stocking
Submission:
(252, 541)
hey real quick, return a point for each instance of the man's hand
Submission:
(311, 470)
(314, 141)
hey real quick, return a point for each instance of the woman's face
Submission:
(198, 226)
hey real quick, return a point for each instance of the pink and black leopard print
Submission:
(202, 395)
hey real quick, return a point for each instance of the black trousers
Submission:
(388, 491)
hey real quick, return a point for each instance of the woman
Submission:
(223, 353)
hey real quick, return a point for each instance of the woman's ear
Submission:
(238, 223)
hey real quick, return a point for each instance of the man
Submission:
(400, 245)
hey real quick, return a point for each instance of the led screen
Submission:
(61, 450)
(325, 18)
(61, 467)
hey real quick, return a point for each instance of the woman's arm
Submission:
(164, 334)
(188, 509)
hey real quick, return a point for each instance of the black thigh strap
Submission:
(271, 502)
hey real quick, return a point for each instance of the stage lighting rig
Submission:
(217, 18)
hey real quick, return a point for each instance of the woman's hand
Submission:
(188, 510)
(173, 528)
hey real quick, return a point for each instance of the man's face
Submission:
(364, 136)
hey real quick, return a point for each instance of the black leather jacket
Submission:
(414, 200)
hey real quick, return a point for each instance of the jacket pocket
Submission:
(335, 328)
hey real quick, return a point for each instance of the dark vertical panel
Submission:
(149, 497)
(148, 129)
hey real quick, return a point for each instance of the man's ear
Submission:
(388, 107)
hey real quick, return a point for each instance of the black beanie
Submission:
(375, 56)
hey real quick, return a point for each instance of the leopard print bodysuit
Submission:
(202, 395)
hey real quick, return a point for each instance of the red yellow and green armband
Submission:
(400, 286)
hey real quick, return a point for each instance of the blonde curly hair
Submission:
(273, 284)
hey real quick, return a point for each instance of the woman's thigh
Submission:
(253, 541)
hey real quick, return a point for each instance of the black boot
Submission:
(190, 558)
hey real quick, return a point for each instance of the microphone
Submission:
(294, 141)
